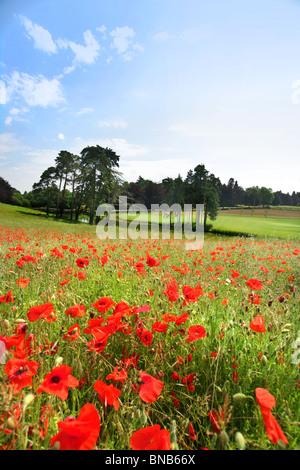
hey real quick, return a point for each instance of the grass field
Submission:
(283, 226)
(121, 344)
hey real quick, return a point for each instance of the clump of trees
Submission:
(76, 184)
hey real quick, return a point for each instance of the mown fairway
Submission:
(123, 336)
(272, 222)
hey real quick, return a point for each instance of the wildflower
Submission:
(44, 311)
(82, 262)
(20, 372)
(7, 298)
(216, 418)
(266, 402)
(58, 381)
(107, 394)
(258, 324)
(151, 388)
(103, 304)
(117, 375)
(81, 433)
(254, 284)
(76, 311)
(73, 333)
(151, 438)
(195, 332)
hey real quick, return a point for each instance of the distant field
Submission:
(283, 223)
(275, 222)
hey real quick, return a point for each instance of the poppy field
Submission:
(133, 345)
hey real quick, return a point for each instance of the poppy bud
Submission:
(20, 320)
(264, 360)
(11, 423)
(239, 398)
(240, 441)
(58, 361)
(28, 399)
(143, 418)
(224, 438)
(6, 324)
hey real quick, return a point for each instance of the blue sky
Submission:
(166, 84)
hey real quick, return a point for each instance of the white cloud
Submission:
(85, 54)
(15, 114)
(35, 90)
(61, 136)
(3, 95)
(122, 147)
(123, 42)
(84, 111)
(122, 38)
(41, 37)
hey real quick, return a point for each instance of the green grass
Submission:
(282, 227)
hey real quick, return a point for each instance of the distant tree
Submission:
(46, 181)
(266, 196)
(97, 164)
(203, 188)
(64, 167)
(153, 194)
(252, 195)
(6, 191)
(135, 193)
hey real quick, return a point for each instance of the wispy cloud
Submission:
(35, 90)
(84, 54)
(123, 42)
(41, 37)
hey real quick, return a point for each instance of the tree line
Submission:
(76, 184)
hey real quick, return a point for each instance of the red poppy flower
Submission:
(192, 432)
(81, 433)
(107, 394)
(76, 311)
(22, 282)
(103, 304)
(195, 332)
(151, 262)
(146, 337)
(20, 372)
(151, 389)
(266, 402)
(7, 298)
(82, 262)
(160, 327)
(216, 419)
(58, 381)
(254, 284)
(151, 438)
(72, 333)
(258, 324)
(99, 341)
(172, 291)
(117, 375)
(121, 308)
(181, 319)
(44, 311)
(191, 294)
(93, 323)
